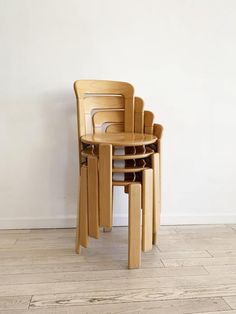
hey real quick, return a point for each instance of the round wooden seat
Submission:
(119, 139)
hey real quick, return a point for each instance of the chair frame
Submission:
(110, 106)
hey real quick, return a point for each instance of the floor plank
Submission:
(221, 269)
(193, 270)
(199, 261)
(161, 307)
(100, 275)
(15, 302)
(231, 301)
(219, 312)
(122, 304)
(172, 287)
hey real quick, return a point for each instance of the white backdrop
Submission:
(179, 55)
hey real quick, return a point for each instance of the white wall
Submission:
(179, 55)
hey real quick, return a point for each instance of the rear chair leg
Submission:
(156, 197)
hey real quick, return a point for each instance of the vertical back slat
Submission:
(138, 115)
(148, 122)
(129, 115)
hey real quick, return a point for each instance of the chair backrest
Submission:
(104, 106)
(110, 106)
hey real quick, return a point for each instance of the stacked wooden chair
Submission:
(119, 145)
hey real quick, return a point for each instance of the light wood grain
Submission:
(15, 302)
(115, 128)
(221, 269)
(73, 273)
(147, 209)
(103, 119)
(222, 253)
(82, 224)
(93, 211)
(163, 288)
(134, 230)
(105, 185)
(158, 130)
(59, 281)
(134, 296)
(119, 139)
(162, 307)
(156, 197)
(231, 301)
(148, 122)
(138, 115)
(129, 169)
(90, 89)
(220, 312)
(199, 261)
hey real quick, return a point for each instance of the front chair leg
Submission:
(134, 233)
(82, 214)
(105, 185)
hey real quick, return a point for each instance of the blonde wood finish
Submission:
(89, 88)
(156, 165)
(148, 122)
(93, 212)
(134, 238)
(95, 104)
(102, 120)
(138, 115)
(108, 114)
(115, 128)
(147, 207)
(128, 169)
(158, 130)
(156, 196)
(105, 185)
(119, 139)
(122, 183)
(82, 216)
(90, 151)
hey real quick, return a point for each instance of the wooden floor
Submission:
(193, 270)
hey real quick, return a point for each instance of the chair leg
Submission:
(105, 185)
(109, 229)
(93, 215)
(134, 233)
(82, 212)
(147, 207)
(156, 197)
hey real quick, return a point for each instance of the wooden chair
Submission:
(110, 107)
